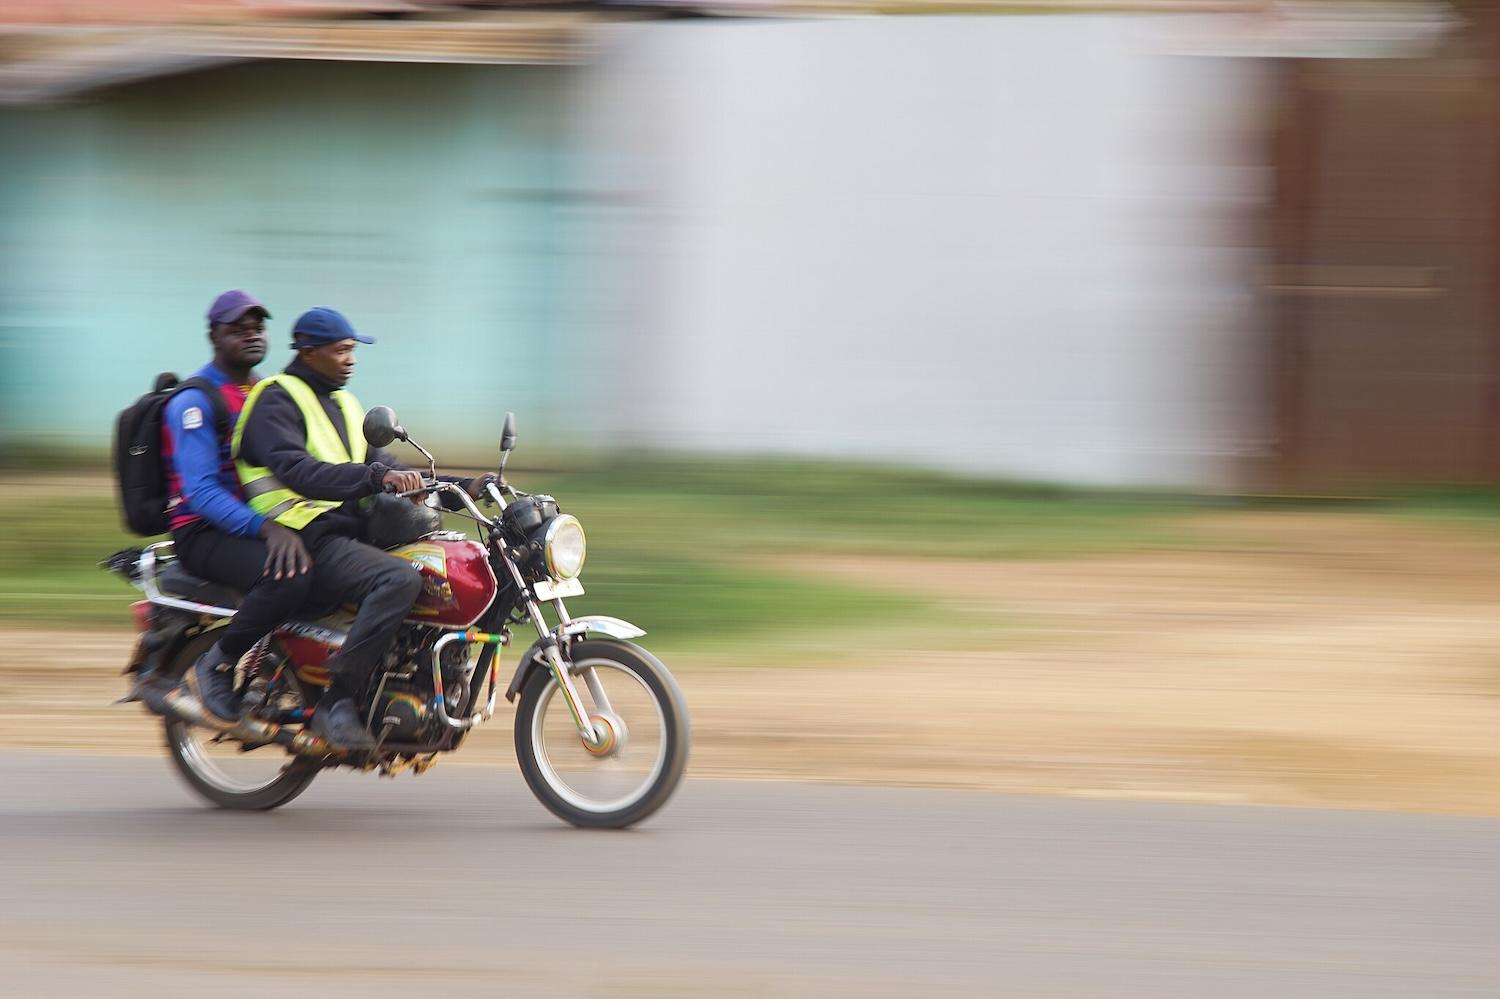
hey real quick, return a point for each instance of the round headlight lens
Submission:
(564, 547)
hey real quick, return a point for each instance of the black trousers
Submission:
(239, 563)
(384, 587)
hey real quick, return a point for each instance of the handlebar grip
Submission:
(426, 484)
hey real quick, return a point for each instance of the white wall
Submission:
(1004, 245)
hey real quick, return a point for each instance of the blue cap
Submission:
(324, 325)
(230, 306)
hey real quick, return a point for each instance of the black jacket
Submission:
(275, 437)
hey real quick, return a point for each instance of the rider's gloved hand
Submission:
(286, 555)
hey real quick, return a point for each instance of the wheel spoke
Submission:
(221, 763)
(601, 783)
(225, 770)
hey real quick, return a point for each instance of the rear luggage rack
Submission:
(127, 563)
(146, 580)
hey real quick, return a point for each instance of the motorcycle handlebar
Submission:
(455, 489)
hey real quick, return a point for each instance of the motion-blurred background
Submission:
(1085, 397)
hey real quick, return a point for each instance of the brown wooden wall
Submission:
(1381, 293)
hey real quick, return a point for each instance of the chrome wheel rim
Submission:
(221, 765)
(592, 783)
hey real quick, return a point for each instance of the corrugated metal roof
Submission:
(137, 11)
(53, 50)
(39, 12)
(57, 63)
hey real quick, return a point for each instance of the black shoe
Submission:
(151, 690)
(148, 688)
(211, 680)
(340, 727)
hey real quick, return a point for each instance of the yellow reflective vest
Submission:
(266, 494)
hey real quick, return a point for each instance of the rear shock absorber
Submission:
(255, 686)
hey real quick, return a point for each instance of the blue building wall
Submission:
(432, 204)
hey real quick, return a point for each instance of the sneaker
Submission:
(152, 690)
(340, 727)
(148, 688)
(211, 680)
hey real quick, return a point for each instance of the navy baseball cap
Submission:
(324, 325)
(230, 306)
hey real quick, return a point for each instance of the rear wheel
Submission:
(221, 769)
(646, 757)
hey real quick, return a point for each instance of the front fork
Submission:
(595, 731)
(600, 733)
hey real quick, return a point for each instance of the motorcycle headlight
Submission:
(564, 547)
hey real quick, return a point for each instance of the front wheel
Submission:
(643, 765)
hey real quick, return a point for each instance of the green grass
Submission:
(49, 544)
(686, 549)
(743, 508)
(1473, 508)
(1476, 506)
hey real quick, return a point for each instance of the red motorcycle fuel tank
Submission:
(458, 584)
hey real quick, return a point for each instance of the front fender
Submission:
(592, 624)
(598, 624)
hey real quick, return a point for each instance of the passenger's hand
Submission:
(399, 481)
(475, 486)
(286, 555)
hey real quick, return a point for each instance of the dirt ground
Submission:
(1308, 659)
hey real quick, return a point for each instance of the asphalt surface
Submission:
(114, 882)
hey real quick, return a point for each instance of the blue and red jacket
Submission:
(201, 482)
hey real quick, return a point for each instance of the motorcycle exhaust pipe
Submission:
(185, 707)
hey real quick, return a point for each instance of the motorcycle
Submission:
(601, 731)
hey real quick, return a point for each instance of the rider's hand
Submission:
(286, 555)
(475, 486)
(401, 481)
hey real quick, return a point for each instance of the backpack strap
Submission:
(215, 400)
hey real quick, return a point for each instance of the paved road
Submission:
(114, 883)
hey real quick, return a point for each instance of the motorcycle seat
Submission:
(175, 581)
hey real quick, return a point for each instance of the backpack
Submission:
(139, 472)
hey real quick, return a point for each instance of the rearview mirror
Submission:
(508, 434)
(381, 427)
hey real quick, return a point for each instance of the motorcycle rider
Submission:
(217, 536)
(303, 462)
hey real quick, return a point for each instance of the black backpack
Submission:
(139, 473)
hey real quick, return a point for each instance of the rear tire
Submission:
(186, 745)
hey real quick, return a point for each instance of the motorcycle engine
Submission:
(400, 714)
(404, 703)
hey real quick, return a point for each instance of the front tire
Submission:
(627, 786)
(218, 771)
